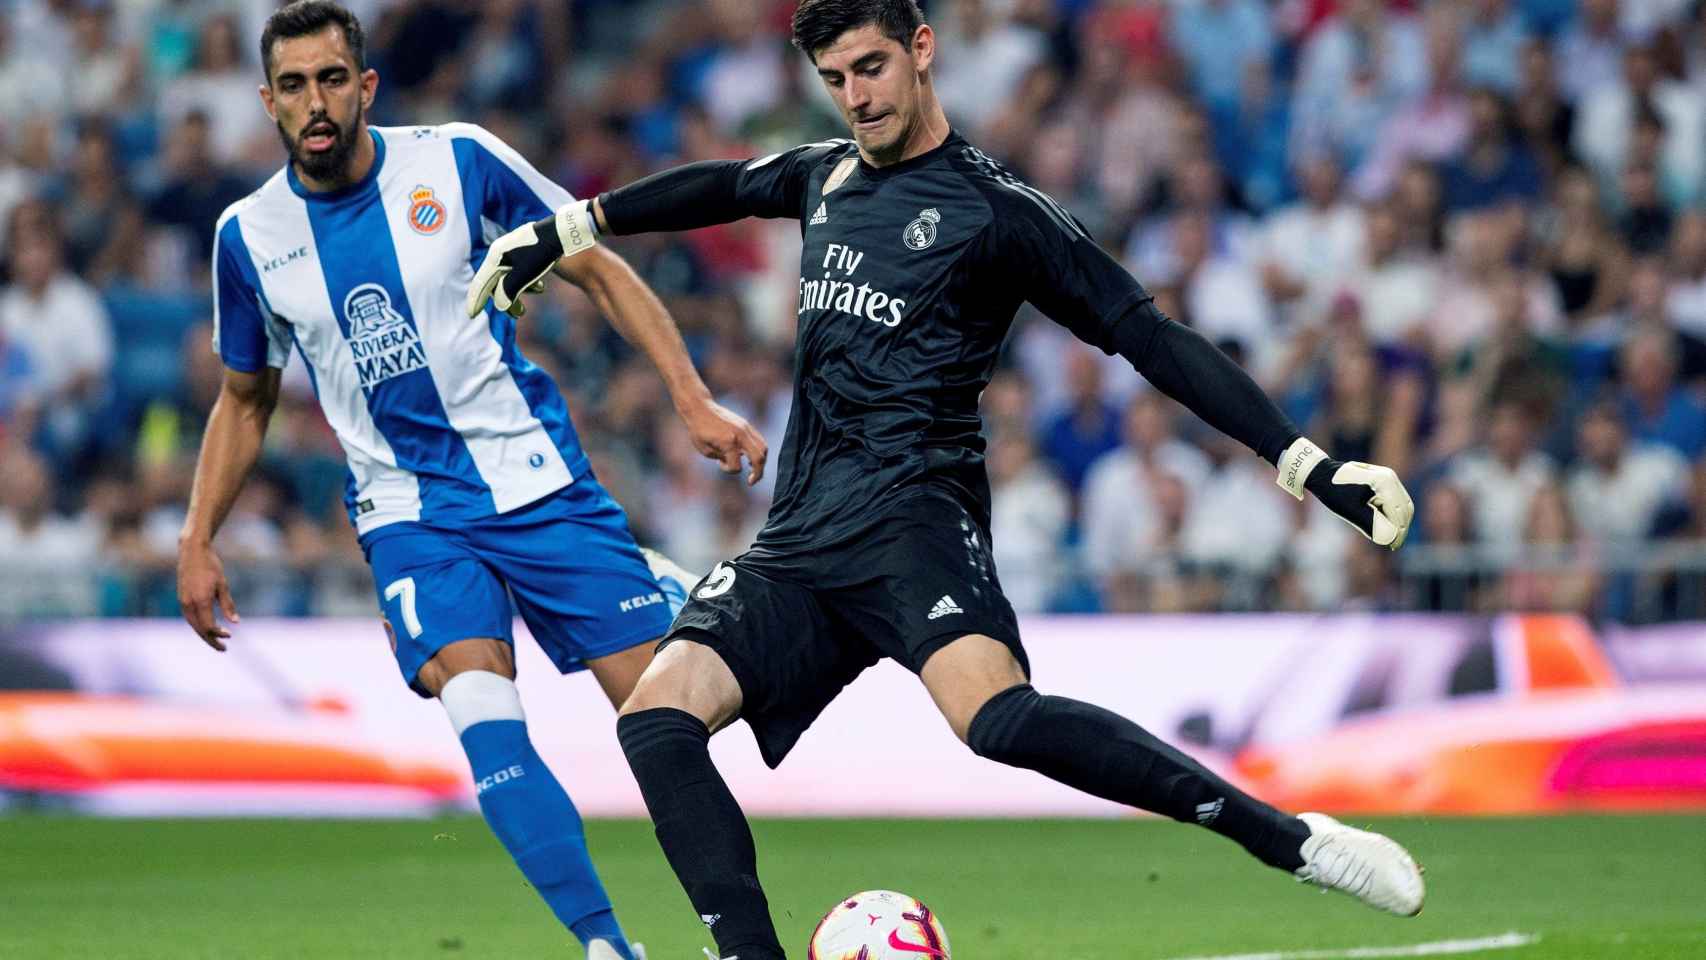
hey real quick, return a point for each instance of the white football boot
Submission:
(1368, 866)
(672, 579)
(598, 949)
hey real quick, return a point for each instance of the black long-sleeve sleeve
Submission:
(710, 192)
(1078, 285)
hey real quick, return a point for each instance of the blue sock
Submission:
(537, 822)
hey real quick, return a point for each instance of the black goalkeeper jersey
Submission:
(910, 276)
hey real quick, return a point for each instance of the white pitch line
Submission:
(1504, 941)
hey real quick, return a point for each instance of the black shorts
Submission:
(795, 628)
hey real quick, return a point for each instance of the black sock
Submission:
(1106, 755)
(701, 828)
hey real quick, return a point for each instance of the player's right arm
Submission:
(229, 450)
(693, 195)
(254, 347)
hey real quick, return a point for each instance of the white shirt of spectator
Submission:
(1395, 297)
(45, 571)
(1119, 515)
(1499, 496)
(1620, 505)
(66, 332)
(1238, 518)
(1028, 519)
(1316, 248)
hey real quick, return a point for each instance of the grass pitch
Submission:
(1633, 888)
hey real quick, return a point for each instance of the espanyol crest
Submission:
(426, 214)
(921, 232)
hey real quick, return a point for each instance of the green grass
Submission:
(1624, 887)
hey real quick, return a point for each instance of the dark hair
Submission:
(817, 23)
(304, 17)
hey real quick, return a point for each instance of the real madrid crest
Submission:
(921, 232)
(426, 214)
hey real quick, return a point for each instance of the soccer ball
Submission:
(879, 925)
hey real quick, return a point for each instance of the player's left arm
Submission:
(1075, 282)
(640, 317)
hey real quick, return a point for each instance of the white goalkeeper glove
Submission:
(519, 260)
(1366, 496)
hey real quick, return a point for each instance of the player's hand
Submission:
(722, 435)
(1368, 497)
(518, 261)
(201, 584)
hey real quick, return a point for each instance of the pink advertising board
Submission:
(1348, 712)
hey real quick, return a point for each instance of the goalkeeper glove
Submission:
(1366, 496)
(519, 260)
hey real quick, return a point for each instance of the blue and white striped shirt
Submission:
(441, 417)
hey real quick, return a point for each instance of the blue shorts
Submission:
(568, 561)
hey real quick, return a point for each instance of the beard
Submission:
(326, 166)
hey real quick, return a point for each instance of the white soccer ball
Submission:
(879, 925)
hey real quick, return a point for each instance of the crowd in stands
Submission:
(1462, 238)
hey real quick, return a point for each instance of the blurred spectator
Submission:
(1432, 127)
(1315, 555)
(61, 325)
(741, 74)
(43, 553)
(105, 75)
(983, 56)
(1029, 512)
(1309, 247)
(504, 60)
(1445, 529)
(1223, 295)
(1495, 167)
(1646, 221)
(195, 187)
(1394, 289)
(1556, 574)
(1546, 119)
(93, 197)
(1252, 139)
(1360, 65)
(1655, 408)
(1238, 486)
(1685, 301)
(31, 81)
(1588, 267)
(1501, 478)
(1121, 520)
(220, 84)
(1606, 123)
(1088, 427)
(1618, 489)
(1493, 38)
(1222, 43)
(1590, 50)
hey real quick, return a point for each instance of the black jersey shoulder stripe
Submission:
(767, 158)
(999, 174)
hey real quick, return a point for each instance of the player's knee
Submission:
(994, 731)
(487, 654)
(689, 677)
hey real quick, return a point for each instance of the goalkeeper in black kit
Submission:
(917, 251)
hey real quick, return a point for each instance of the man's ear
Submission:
(923, 47)
(266, 102)
(369, 87)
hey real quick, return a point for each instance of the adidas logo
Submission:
(710, 920)
(944, 606)
(1206, 812)
(821, 216)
